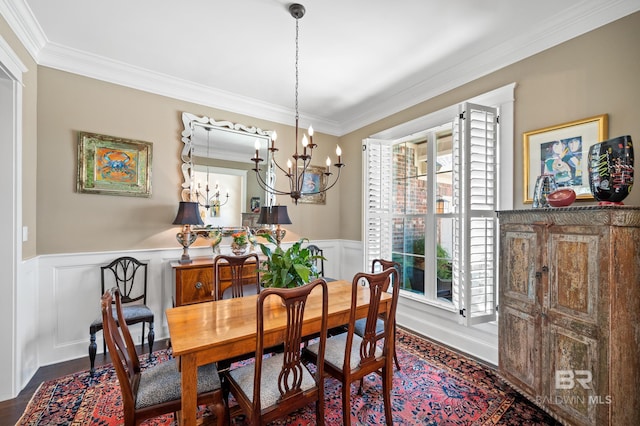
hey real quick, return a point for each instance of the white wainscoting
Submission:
(60, 297)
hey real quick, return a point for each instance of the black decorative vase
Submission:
(611, 170)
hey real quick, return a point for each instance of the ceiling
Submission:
(360, 60)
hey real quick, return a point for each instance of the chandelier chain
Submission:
(297, 54)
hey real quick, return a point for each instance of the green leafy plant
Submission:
(288, 268)
(240, 238)
(443, 264)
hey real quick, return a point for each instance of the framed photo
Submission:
(255, 204)
(313, 180)
(113, 166)
(562, 151)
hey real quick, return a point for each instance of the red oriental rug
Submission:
(436, 386)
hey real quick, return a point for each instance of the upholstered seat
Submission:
(334, 353)
(161, 383)
(269, 392)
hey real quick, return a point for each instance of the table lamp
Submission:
(275, 215)
(188, 214)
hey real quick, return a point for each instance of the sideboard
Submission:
(569, 311)
(194, 282)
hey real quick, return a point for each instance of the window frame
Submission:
(501, 98)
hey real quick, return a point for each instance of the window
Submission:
(431, 195)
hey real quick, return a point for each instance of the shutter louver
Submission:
(479, 203)
(378, 201)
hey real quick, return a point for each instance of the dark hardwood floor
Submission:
(11, 410)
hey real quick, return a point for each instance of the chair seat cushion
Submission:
(362, 323)
(271, 368)
(334, 351)
(161, 383)
(132, 314)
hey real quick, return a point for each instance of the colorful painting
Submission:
(562, 151)
(563, 159)
(313, 185)
(113, 166)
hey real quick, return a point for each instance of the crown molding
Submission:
(577, 20)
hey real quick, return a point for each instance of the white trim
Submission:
(11, 69)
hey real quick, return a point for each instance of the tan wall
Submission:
(29, 137)
(71, 222)
(594, 74)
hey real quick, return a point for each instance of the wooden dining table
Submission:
(215, 331)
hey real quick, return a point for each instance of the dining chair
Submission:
(129, 275)
(238, 273)
(378, 265)
(319, 260)
(349, 357)
(156, 390)
(281, 383)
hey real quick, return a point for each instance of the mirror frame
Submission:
(189, 121)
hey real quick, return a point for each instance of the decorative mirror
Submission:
(218, 172)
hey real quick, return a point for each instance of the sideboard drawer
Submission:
(193, 283)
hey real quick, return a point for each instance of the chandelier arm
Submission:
(278, 166)
(328, 187)
(266, 187)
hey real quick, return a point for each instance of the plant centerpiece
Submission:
(288, 268)
(239, 243)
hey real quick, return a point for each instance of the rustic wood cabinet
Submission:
(194, 282)
(569, 311)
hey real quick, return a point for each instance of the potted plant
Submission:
(240, 242)
(288, 268)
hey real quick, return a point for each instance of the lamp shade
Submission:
(188, 214)
(274, 215)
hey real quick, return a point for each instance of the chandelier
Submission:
(204, 199)
(296, 170)
(211, 202)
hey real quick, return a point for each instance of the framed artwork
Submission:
(255, 204)
(113, 166)
(313, 180)
(562, 151)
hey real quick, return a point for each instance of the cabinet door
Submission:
(572, 313)
(194, 285)
(519, 322)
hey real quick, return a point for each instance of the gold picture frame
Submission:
(113, 166)
(562, 151)
(313, 180)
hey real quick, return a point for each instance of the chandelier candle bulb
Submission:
(289, 166)
(339, 154)
(328, 164)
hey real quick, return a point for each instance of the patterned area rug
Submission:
(436, 386)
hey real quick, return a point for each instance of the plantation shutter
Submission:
(377, 160)
(476, 236)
